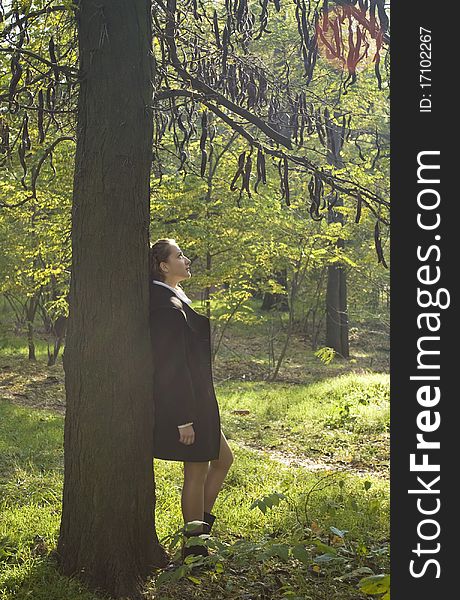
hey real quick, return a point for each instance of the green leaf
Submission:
(268, 501)
(217, 544)
(325, 355)
(357, 572)
(192, 559)
(324, 547)
(196, 540)
(301, 553)
(219, 567)
(326, 558)
(180, 572)
(280, 550)
(376, 584)
(175, 539)
(261, 505)
(164, 577)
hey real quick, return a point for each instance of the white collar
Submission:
(178, 291)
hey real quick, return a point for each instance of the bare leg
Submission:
(217, 472)
(192, 500)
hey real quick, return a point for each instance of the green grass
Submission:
(342, 419)
(16, 344)
(31, 485)
(319, 436)
(30, 493)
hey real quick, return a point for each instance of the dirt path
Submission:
(289, 459)
(31, 387)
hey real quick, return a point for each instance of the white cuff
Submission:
(186, 425)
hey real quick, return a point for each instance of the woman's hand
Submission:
(187, 435)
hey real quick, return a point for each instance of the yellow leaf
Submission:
(315, 527)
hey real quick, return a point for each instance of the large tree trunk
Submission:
(107, 535)
(337, 314)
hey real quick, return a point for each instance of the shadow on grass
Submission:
(40, 580)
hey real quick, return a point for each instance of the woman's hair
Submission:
(159, 252)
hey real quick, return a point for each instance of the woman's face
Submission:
(177, 267)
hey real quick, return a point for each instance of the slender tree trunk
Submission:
(33, 302)
(58, 329)
(207, 289)
(336, 296)
(31, 310)
(291, 303)
(107, 535)
(314, 311)
(30, 340)
(337, 327)
(19, 309)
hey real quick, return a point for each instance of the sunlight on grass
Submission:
(327, 418)
(31, 488)
(16, 345)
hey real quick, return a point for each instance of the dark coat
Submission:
(183, 383)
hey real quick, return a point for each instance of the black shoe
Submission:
(209, 518)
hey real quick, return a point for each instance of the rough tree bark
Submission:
(107, 535)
